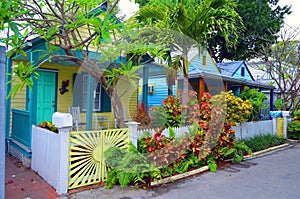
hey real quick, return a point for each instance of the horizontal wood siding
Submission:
(210, 66)
(160, 90)
(19, 101)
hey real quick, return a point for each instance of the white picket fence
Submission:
(178, 130)
(250, 129)
(244, 130)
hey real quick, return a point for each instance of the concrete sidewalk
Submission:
(24, 183)
(275, 175)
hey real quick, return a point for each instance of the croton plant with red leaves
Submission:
(209, 139)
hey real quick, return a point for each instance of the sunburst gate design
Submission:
(86, 159)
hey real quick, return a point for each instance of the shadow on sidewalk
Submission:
(21, 182)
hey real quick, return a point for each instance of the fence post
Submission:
(133, 133)
(285, 115)
(62, 187)
(63, 121)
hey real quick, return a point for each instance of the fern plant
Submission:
(129, 166)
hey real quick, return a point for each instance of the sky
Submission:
(294, 18)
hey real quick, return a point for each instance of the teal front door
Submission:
(46, 102)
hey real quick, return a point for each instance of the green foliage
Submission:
(8, 13)
(237, 152)
(173, 111)
(294, 130)
(192, 108)
(261, 142)
(158, 116)
(280, 104)
(129, 166)
(185, 16)
(49, 126)
(294, 126)
(25, 74)
(211, 163)
(263, 20)
(296, 115)
(257, 101)
(225, 139)
(127, 71)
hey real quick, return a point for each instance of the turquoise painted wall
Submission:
(238, 73)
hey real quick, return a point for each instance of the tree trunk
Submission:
(96, 73)
(185, 87)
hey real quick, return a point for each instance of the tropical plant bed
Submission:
(208, 142)
(221, 165)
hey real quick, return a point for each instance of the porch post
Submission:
(31, 104)
(271, 102)
(201, 88)
(271, 99)
(243, 87)
(89, 102)
(145, 85)
(225, 86)
(2, 120)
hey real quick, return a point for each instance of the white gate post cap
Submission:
(285, 113)
(62, 119)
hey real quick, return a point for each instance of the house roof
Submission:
(230, 79)
(230, 68)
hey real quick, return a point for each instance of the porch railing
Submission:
(21, 127)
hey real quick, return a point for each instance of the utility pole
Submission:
(2, 121)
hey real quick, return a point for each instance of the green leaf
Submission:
(212, 165)
(106, 36)
(124, 178)
(229, 152)
(14, 27)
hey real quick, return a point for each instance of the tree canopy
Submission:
(282, 63)
(189, 24)
(78, 27)
(263, 20)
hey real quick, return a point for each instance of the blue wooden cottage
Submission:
(206, 76)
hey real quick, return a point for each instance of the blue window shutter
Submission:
(105, 101)
(77, 90)
(243, 71)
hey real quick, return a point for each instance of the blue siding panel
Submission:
(160, 91)
(238, 73)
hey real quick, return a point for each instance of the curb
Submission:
(179, 176)
(206, 168)
(266, 150)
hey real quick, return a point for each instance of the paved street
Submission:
(275, 175)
